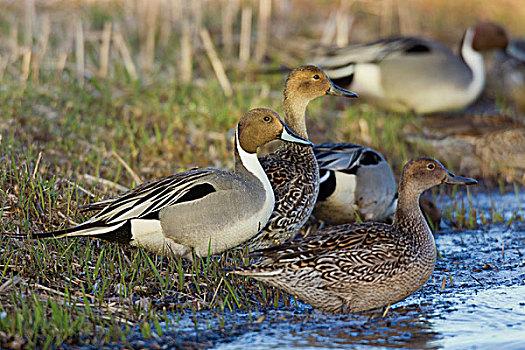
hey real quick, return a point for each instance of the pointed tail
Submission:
(117, 232)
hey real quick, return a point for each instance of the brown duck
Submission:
(359, 267)
(292, 169)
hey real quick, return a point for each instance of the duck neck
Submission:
(474, 61)
(247, 163)
(295, 110)
(408, 217)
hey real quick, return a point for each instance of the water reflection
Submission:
(490, 318)
(475, 299)
(404, 327)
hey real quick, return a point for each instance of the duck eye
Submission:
(267, 118)
(430, 166)
(316, 77)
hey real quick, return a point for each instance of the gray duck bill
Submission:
(335, 90)
(288, 135)
(452, 179)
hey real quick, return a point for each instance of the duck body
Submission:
(206, 209)
(415, 74)
(202, 210)
(365, 266)
(453, 88)
(355, 181)
(292, 169)
(351, 267)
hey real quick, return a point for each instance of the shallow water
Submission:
(474, 300)
(487, 318)
(490, 318)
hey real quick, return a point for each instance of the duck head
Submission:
(423, 173)
(489, 36)
(259, 126)
(310, 81)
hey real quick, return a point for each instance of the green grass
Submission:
(65, 291)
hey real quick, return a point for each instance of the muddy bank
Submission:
(474, 300)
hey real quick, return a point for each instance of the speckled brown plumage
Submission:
(294, 176)
(358, 267)
(293, 171)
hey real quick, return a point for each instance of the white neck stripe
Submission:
(251, 162)
(474, 61)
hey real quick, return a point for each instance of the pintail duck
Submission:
(357, 183)
(483, 145)
(354, 182)
(207, 210)
(292, 168)
(359, 267)
(414, 74)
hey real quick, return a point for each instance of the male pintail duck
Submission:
(355, 182)
(292, 168)
(413, 74)
(206, 209)
(359, 267)
(487, 145)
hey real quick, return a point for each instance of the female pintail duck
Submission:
(292, 168)
(355, 182)
(483, 145)
(413, 74)
(206, 209)
(359, 267)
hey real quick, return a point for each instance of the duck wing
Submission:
(374, 52)
(345, 157)
(351, 249)
(143, 202)
(149, 198)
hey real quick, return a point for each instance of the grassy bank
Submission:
(79, 123)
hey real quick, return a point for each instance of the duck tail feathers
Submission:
(84, 230)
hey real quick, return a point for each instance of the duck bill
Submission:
(452, 179)
(288, 135)
(335, 90)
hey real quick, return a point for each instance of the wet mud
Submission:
(474, 300)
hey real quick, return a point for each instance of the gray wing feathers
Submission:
(151, 197)
(377, 51)
(226, 211)
(339, 156)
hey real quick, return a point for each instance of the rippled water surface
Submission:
(474, 300)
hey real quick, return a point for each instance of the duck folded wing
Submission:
(377, 51)
(349, 238)
(345, 157)
(337, 260)
(220, 221)
(148, 199)
(96, 206)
